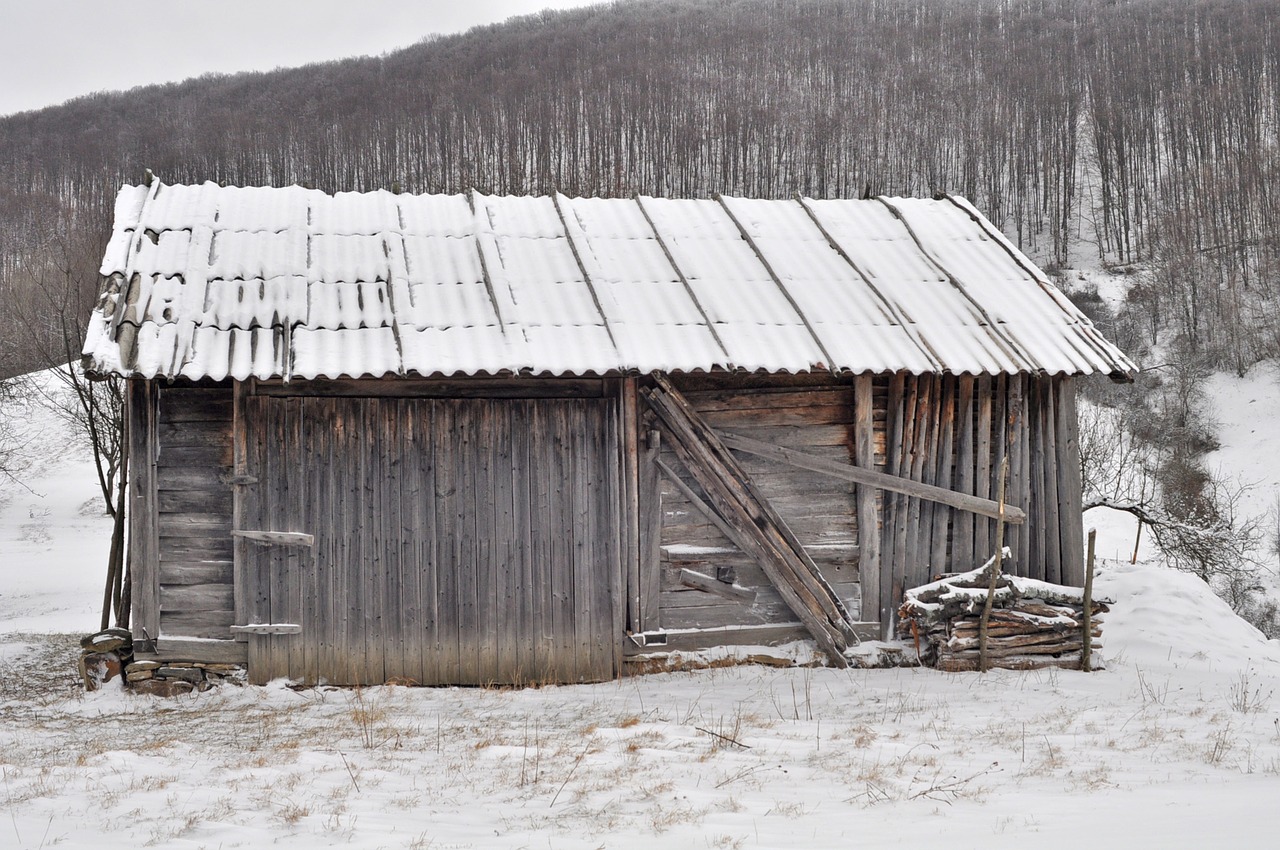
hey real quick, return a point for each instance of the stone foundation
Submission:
(108, 655)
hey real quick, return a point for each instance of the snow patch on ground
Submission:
(1175, 744)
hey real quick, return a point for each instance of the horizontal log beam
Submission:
(871, 478)
(278, 538)
(698, 581)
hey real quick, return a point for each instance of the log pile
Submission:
(1033, 624)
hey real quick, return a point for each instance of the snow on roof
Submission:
(214, 282)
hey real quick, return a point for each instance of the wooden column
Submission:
(869, 567)
(144, 535)
(1069, 485)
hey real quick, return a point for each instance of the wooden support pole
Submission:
(1086, 649)
(985, 621)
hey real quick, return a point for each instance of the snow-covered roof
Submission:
(210, 282)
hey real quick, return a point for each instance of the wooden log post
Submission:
(985, 622)
(1086, 651)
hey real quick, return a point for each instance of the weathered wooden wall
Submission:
(814, 414)
(456, 541)
(190, 467)
(955, 431)
(373, 448)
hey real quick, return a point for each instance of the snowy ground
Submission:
(1175, 744)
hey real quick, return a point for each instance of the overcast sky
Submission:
(53, 50)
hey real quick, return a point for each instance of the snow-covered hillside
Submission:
(1175, 744)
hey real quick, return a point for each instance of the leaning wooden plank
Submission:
(278, 538)
(759, 530)
(870, 477)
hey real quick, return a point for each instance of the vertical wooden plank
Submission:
(332, 658)
(999, 451)
(242, 496)
(920, 460)
(296, 560)
(945, 442)
(425, 449)
(1019, 537)
(318, 470)
(544, 530)
(615, 518)
(480, 506)
(526, 592)
(629, 459)
(1052, 551)
(1070, 501)
(895, 503)
(650, 530)
(564, 542)
(581, 443)
(389, 423)
(588, 433)
(962, 521)
(354, 627)
(511, 597)
(144, 534)
(452, 485)
(983, 532)
(868, 516)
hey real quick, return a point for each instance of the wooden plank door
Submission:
(467, 541)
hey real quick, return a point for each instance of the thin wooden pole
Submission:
(1086, 651)
(985, 620)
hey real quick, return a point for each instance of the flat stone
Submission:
(163, 687)
(143, 665)
(95, 640)
(139, 675)
(105, 643)
(222, 669)
(187, 674)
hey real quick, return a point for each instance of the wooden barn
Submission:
(469, 439)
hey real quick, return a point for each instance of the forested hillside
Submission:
(1142, 131)
(1138, 135)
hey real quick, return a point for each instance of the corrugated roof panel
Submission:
(180, 207)
(436, 215)
(167, 255)
(255, 254)
(354, 213)
(459, 349)
(647, 307)
(528, 217)
(264, 208)
(781, 348)
(348, 352)
(440, 259)
(255, 303)
(331, 306)
(347, 258)
(668, 347)
(445, 305)
(721, 268)
(568, 349)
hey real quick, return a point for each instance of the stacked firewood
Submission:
(1033, 624)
